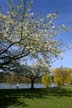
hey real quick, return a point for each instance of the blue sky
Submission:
(64, 7)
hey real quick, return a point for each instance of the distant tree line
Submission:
(60, 76)
(13, 79)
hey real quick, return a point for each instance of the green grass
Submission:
(37, 98)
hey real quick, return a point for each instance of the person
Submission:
(17, 85)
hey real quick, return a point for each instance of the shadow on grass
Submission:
(6, 101)
(12, 96)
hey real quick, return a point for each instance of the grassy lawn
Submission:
(37, 98)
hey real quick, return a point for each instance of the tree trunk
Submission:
(32, 83)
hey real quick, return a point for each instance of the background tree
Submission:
(36, 71)
(46, 80)
(62, 76)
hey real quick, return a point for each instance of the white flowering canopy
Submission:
(21, 34)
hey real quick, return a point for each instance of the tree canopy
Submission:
(62, 76)
(23, 35)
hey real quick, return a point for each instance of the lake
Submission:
(22, 85)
